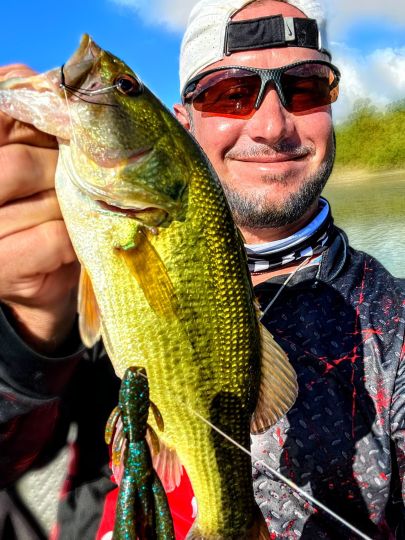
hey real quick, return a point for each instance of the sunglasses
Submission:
(237, 90)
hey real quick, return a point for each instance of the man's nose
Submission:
(271, 122)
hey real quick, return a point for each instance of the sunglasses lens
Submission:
(230, 92)
(309, 86)
(234, 91)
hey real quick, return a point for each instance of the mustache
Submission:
(261, 150)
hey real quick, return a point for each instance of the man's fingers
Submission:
(40, 250)
(38, 267)
(25, 170)
(15, 70)
(29, 212)
(44, 289)
(13, 132)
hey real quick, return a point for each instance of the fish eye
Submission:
(128, 85)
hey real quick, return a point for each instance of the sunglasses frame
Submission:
(266, 76)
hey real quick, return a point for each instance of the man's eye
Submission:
(236, 94)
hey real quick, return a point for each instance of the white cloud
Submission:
(170, 13)
(378, 76)
(347, 11)
(174, 13)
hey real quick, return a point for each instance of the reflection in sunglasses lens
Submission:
(307, 87)
(230, 95)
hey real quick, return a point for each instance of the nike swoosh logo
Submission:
(289, 30)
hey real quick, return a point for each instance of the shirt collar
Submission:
(332, 262)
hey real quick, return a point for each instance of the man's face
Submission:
(273, 164)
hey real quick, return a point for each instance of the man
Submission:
(337, 312)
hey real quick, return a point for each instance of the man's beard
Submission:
(255, 212)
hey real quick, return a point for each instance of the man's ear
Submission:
(182, 115)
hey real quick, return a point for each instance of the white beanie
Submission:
(203, 41)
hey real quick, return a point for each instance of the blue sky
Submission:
(44, 34)
(147, 33)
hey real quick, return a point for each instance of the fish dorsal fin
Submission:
(89, 313)
(150, 272)
(278, 384)
(167, 465)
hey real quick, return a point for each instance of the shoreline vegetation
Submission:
(371, 141)
(367, 186)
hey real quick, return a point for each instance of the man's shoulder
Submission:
(372, 286)
(375, 271)
(360, 277)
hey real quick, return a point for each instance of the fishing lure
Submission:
(142, 509)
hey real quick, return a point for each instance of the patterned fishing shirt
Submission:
(342, 325)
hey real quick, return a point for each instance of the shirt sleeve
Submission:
(31, 386)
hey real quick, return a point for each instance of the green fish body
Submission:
(166, 265)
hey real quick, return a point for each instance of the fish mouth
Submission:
(112, 162)
(139, 155)
(152, 215)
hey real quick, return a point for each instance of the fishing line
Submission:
(281, 477)
(273, 472)
(70, 115)
(76, 91)
(304, 263)
(79, 90)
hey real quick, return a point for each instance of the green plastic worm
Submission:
(142, 509)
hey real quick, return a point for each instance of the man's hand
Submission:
(38, 267)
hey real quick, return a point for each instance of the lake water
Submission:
(371, 209)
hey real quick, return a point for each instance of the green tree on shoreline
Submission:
(372, 139)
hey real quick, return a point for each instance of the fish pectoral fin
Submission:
(89, 313)
(167, 465)
(145, 264)
(278, 384)
(37, 100)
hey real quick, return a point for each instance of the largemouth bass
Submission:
(164, 276)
